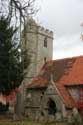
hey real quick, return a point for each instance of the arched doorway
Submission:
(51, 107)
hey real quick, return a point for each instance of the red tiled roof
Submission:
(75, 75)
(38, 82)
(67, 99)
(12, 97)
(66, 72)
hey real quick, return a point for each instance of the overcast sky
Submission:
(64, 18)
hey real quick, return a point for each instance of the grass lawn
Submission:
(20, 123)
(34, 123)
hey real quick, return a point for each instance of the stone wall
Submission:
(44, 52)
(74, 91)
(36, 107)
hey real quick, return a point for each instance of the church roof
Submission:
(74, 75)
(66, 72)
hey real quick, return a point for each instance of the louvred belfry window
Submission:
(45, 42)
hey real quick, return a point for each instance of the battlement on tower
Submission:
(33, 26)
(45, 32)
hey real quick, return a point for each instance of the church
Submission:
(54, 87)
(57, 91)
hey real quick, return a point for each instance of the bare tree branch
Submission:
(18, 8)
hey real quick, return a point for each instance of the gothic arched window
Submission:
(45, 42)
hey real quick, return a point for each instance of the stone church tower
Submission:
(39, 42)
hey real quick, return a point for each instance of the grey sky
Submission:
(64, 18)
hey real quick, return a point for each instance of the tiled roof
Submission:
(11, 98)
(66, 72)
(38, 82)
(75, 75)
(67, 99)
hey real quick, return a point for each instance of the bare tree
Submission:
(18, 8)
(17, 12)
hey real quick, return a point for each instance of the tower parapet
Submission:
(32, 26)
(45, 32)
